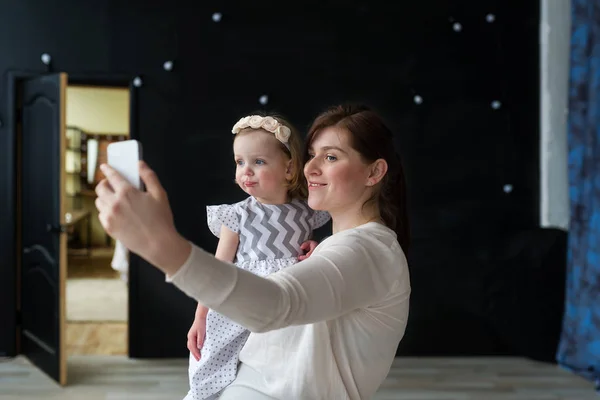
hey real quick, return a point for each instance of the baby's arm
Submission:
(226, 249)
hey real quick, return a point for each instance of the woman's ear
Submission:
(378, 169)
(289, 171)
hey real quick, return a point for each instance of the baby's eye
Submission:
(260, 162)
(239, 162)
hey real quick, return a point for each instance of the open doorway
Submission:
(48, 213)
(96, 287)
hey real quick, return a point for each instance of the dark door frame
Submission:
(8, 233)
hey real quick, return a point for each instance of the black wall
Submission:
(458, 150)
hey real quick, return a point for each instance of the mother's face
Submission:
(337, 175)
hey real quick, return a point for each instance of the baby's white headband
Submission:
(269, 124)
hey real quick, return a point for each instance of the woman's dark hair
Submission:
(373, 140)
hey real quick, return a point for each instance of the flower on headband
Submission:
(255, 121)
(270, 124)
(282, 133)
(241, 124)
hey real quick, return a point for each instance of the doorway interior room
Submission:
(96, 289)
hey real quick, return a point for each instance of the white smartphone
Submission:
(124, 157)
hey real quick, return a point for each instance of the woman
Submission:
(327, 327)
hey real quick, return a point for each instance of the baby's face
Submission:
(261, 166)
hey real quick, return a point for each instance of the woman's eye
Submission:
(330, 157)
(311, 156)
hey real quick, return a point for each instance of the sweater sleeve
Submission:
(346, 272)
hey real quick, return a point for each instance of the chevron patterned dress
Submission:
(270, 239)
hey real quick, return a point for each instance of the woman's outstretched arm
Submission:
(353, 270)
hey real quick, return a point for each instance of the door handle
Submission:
(41, 249)
(56, 229)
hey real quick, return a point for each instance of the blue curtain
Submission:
(579, 348)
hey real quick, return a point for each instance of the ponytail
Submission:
(393, 203)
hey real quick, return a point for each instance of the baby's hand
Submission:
(196, 336)
(310, 245)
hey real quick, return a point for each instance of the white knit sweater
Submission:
(325, 328)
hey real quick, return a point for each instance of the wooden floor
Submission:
(118, 378)
(95, 266)
(94, 338)
(99, 338)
